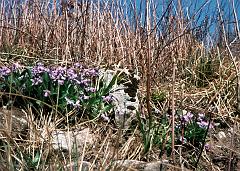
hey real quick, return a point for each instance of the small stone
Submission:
(85, 166)
(66, 140)
(221, 135)
(140, 165)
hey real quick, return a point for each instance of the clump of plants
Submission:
(158, 96)
(191, 127)
(201, 69)
(58, 88)
(190, 131)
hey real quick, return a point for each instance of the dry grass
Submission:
(165, 53)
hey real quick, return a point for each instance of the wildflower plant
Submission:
(190, 130)
(191, 127)
(64, 88)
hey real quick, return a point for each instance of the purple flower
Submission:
(207, 146)
(84, 83)
(187, 117)
(61, 70)
(78, 65)
(77, 104)
(53, 75)
(91, 89)
(204, 124)
(36, 80)
(46, 93)
(71, 74)
(58, 74)
(84, 97)
(201, 116)
(107, 99)
(77, 81)
(105, 118)
(39, 69)
(183, 139)
(4, 71)
(16, 66)
(71, 102)
(91, 72)
(60, 82)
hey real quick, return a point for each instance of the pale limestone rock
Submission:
(67, 140)
(221, 135)
(124, 96)
(127, 165)
(82, 165)
(140, 165)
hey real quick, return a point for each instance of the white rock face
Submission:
(67, 140)
(124, 95)
(124, 115)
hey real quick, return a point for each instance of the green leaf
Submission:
(36, 158)
(39, 102)
(113, 82)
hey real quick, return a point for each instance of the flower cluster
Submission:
(39, 69)
(191, 127)
(186, 118)
(76, 74)
(16, 67)
(4, 71)
(37, 72)
(202, 123)
(75, 86)
(201, 120)
(58, 74)
(107, 99)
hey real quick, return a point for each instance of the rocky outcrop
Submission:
(128, 165)
(124, 93)
(140, 165)
(13, 122)
(74, 140)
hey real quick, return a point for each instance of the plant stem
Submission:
(148, 68)
(204, 140)
(173, 109)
